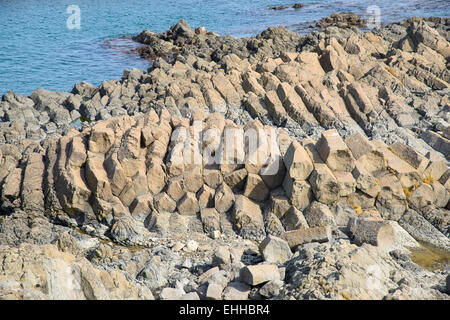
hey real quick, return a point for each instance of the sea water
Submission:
(54, 44)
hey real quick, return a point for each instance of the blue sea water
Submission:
(38, 50)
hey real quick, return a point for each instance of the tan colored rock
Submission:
(335, 152)
(236, 179)
(408, 176)
(188, 205)
(213, 178)
(289, 56)
(175, 188)
(128, 194)
(11, 185)
(294, 219)
(147, 136)
(442, 195)
(33, 177)
(46, 273)
(318, 215)
(142, 206)
(298, 237)
(310, 148)
(210, 219)
(171, 294)
(275, 107)
(298, 191)
(77, 152)
(434, 139)
(279, 204)
(324, 184)
(415, 159)
(269, 65)
(273, 172)
(164, 203)
(255, 188)
(226, 89)
(193, 178)
(255, 105)
(101, 139)
(358, 144)
(297, 161)
(254, 275)
(248, 218)
(360, 201)
(365, 181)
(294, 104)
(224, 198)
(156, 177)
(236, 291)
(215, 101)
(436, 168)
(391, 201)
(116, 174)
(205, 197)
(374, 161)
(97, 178)
(310, 60)
(346, 183)
(422, 197)
(214, 292)
(251, 84)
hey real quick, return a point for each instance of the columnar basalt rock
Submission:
(376, 232)
(143, 161)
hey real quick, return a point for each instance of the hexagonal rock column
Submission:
(334, 151)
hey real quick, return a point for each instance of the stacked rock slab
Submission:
(127, 173)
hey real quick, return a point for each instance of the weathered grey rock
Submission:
(376, 232)
(210, 218)
(423, 231)
(298, 237)
(221, 257)
(254, 275)
(294, 219)
(271, 289)
(236, 291)
(275, 250)
(318, 214)
(248, 218)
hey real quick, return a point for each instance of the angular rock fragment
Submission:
(254, 275)
(248, 218)
(335, 152)
(298, 162)
(275, 250)
(298, 237)
(376, 232)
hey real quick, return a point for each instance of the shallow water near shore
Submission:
(39, 51)
(431, 258)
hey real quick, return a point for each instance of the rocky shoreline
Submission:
(96, 205)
